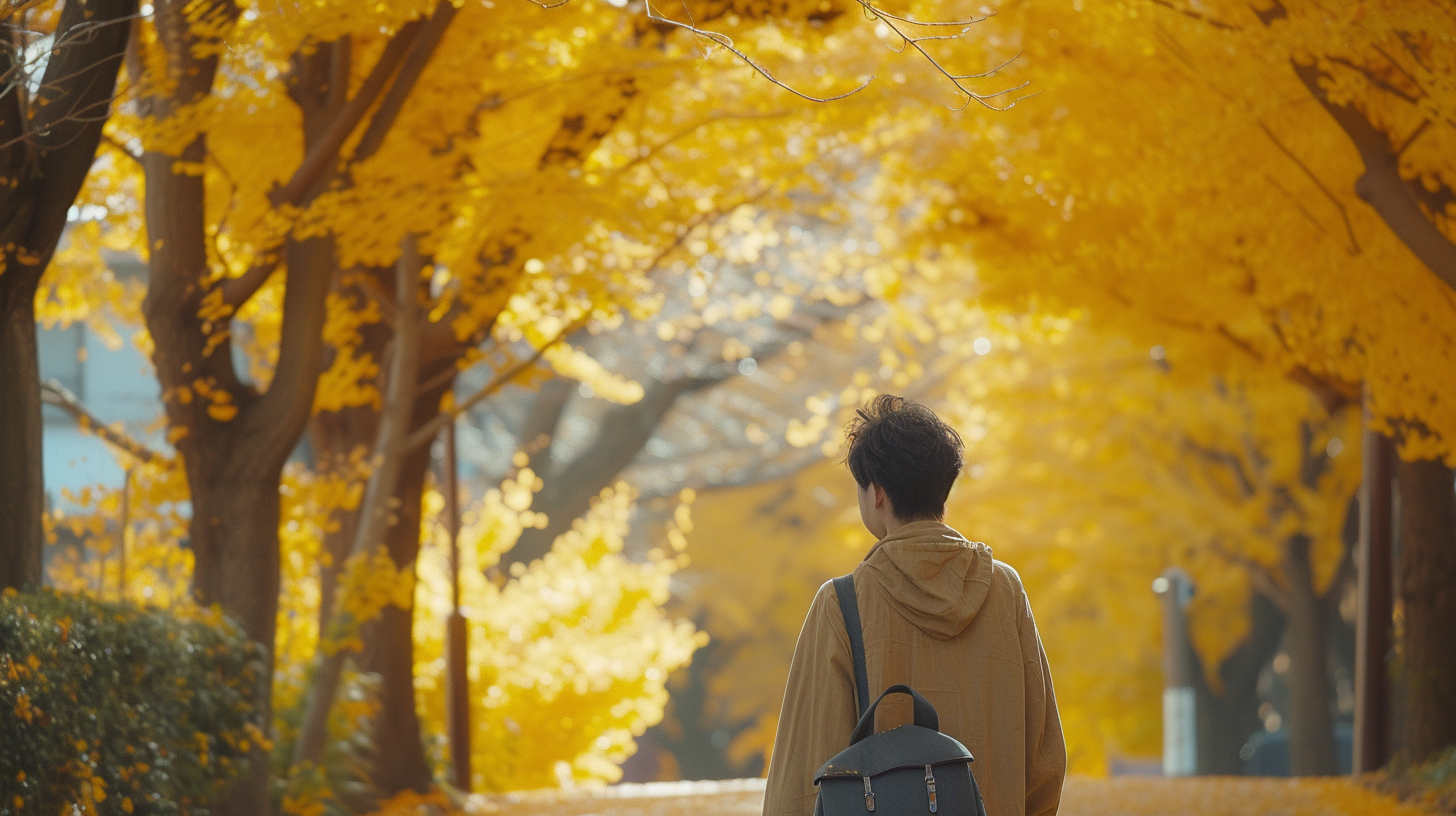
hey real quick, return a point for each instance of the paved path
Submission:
(1119, 796)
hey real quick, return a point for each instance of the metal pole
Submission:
(1180, 698)
(458, 684)
(1375, 608)
(125, 525)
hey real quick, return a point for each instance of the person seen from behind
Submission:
(940, 615)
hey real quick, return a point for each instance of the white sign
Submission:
(1180, 731)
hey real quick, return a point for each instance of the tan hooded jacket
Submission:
(940, 615)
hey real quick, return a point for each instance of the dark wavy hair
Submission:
(907, 450)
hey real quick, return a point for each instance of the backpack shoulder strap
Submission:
(844, 588)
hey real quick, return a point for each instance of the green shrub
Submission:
(120, 710)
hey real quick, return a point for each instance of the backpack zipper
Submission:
(929, 787)
(869, 796)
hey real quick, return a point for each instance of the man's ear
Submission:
(880, 496)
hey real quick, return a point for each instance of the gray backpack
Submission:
(907, 771)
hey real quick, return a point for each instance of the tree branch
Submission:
(1264, 581)
(420, 52)
(121, 148)
(425, 433)
(70, 109)
(1344, 216)
(1226, 459)
(542, 419)
(326, 150)
(1382, 186)
(53, 393)
(727, 43)
(236, 291)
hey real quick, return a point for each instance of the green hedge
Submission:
(120, 710)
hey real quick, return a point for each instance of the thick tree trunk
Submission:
(1428, 596)
(335, 437)
(399, 762)
(377, 512)
(22, 491)
(1226, 721)
(46, 150)
(236, 522)
(234, 458)
(234, 532)
(1311, 728)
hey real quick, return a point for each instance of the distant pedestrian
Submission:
(939, 615)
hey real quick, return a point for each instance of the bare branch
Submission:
(895, 23)
(928, 23)
(53, 393)
(1344, 215)
(982, 99)
(726, 42)
(985, 74)
(65, 120)
(112, 143)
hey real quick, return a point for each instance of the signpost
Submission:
(1180, 673)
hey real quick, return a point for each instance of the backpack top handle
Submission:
(925, 715)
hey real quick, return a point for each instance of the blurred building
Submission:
(115, 384)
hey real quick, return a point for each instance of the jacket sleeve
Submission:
(818, 713)
(1046, 752)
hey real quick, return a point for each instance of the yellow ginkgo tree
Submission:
(316, 175)
(1270, 181)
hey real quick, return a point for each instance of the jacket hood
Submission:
(931, 575)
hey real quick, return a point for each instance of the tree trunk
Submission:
(234, 463)
(1226, 721)
(46, 150)
(690, 731)
(22, 490)
(399, 762)
(236, 521)
(1311, 728)
(336, 436)
(399, 756)
(377, 515)
(1428, 597)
